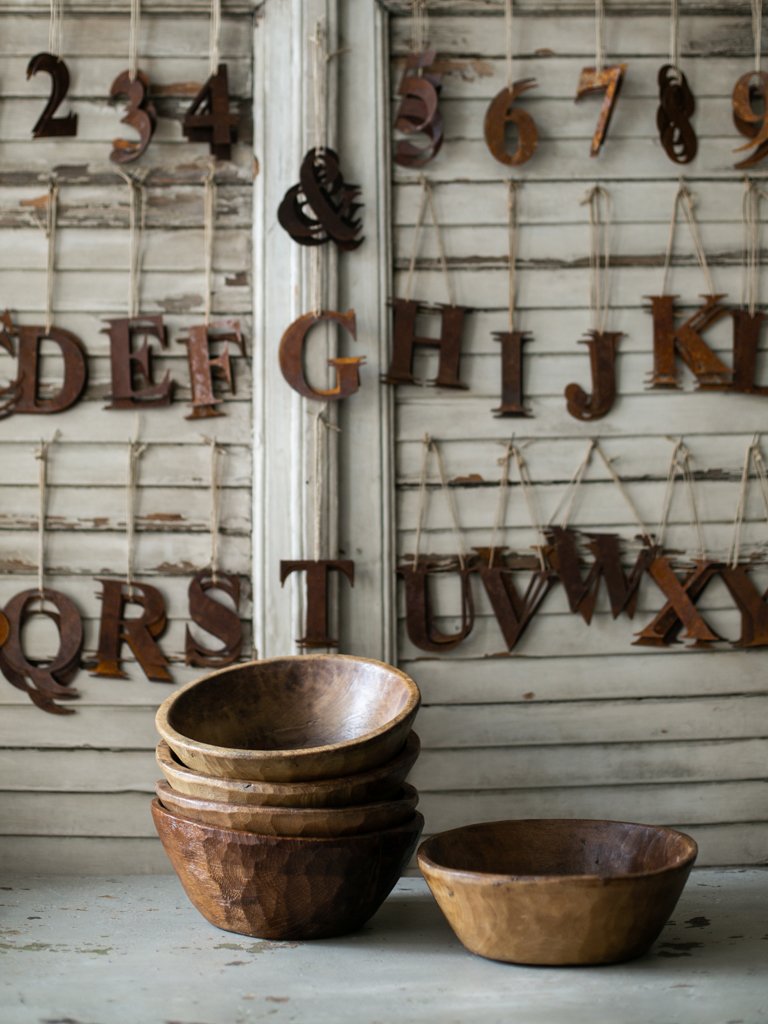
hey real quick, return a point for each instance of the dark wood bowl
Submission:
(557, 891)
(293, 821)
(380, 783)
(273, 887)
(314, 716)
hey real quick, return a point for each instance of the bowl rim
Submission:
(415, 822)
(476, 877)
(410, 750)
(408, 794)
(172, 735)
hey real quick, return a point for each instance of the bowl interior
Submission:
(559, 847)
(292, 703)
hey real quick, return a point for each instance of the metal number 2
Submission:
(48, 125)
(608, 79)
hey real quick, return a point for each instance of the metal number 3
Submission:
(140, 115)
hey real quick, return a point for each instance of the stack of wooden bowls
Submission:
(284, 809)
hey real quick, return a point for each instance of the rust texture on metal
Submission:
(43, 681)
(671, 340)
(316, 628)
(673, 117)
(564, 557)
(322, 206)
(291, 356)
(750, 115)
(203, 366)
(751, 604)
(503, 112)
(418, 112)
(209, 118)
(405, 340)
(215, 618)
(602, 347)
(608, 80)
(139, 632)
(9, 393)
(74, 363)
(140, 115)
(746, 341)
(513, 608)
(512, 402)
(128, 366)
(48, 126)
(680, 608)
(420, 621)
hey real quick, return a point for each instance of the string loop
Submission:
(598, 199)
(209, 222)
(137, 224)
(41, 454)
(684, 198)
(322, 426)
(674, 34)
(419, 26)
(750, 208)
(599, 35)
(757, 31)
(431, 447)
(214, 45)
(217, 451)
(56, 28)
(427, 199)
(135, 451)
(509, 36)
(680, 463)
(133, 39)
(512, 219)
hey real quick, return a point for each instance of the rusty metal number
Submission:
(418, 113)
(322, 206)
(140, 115)
(47, 125)
(502, 112)
(209, 118)
(609, 80)
(673, 118)
(750, 115)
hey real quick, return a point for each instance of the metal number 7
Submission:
(608, 79)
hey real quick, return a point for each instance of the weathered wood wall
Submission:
(79, 785)
(577, 721)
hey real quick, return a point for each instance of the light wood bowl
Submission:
(314, 716)
(381, 783)
(274, 887)
(557, 891)
(293, 821)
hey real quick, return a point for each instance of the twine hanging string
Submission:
(750, 208)
(427, 200)
(322, 426)
(760, 471)
(598, 200)
(501, 504)
(512, 224)
(528, 494)
(133, 39)
(51, 217)
(624, 492)
(423, 496)
(680, 463)
(684, 198)
(738, 519)
(757, 31)
(215, 37)
(135, 451)
(599, 35)
(56, 29)
(41, 454)
(419, 26)
(320, 130)
(674, 34)
(209, 221)
(569, 497)
(451, 501)
(215, 518)
(137, 224)
(510, 39)
(431, 447)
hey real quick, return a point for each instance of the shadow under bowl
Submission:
(382, 783)
(291, 719)
(557, 891)
(274, 887)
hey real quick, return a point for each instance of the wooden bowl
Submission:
(293, 821)
(274, 887)
(314, 716)
(380, 783)
(557, 891)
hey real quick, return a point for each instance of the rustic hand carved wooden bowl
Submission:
(293, 821)
(557, 891)
(277, 887)
(315, 716)
(380, 783)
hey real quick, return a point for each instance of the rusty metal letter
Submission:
(670, 340)
(75, 375)
(419, 616)
(127, 365)
(680, 608)
(512, 373)
(514, 611)
(746, 339)
(316, 629)
(291, 354)
(139, 633)
(215, 618)
(202, 364)
(405, 339)
(751, 603)
(602, 361)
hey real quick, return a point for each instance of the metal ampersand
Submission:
(673, 118)
(322, 206)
